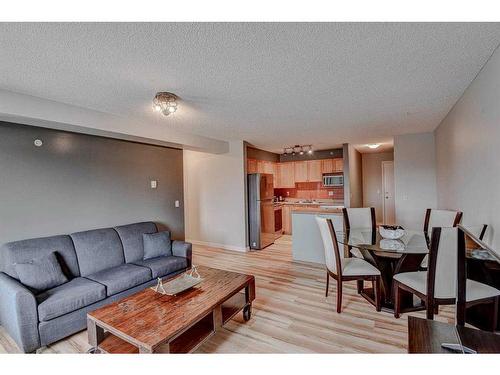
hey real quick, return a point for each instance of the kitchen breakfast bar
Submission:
(307, 245)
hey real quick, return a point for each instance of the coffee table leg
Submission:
(95, 335)
(247, 312)
(165, 349)
(249, 297)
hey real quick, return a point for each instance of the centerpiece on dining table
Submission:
(391, 235)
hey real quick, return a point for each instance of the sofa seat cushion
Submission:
(68, 297)
(162, 266)
(120, 278)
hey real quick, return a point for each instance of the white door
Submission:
(389, 209)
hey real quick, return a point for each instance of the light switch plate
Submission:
(154, 184)
(177, 204)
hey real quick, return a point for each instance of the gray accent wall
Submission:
(77, 182)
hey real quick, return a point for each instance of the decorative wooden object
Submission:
(149, 322)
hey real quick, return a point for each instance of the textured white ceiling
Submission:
(272, 84)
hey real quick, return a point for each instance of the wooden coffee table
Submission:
(149, 322)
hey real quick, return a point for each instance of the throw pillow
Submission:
(42, 273)
(157, 245)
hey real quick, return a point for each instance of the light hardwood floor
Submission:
(290, 313)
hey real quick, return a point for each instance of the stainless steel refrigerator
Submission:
(260, 210)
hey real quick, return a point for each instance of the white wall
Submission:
(414, 178)
(353, 178)
(373, 195)
(214, 198)
(468, 153)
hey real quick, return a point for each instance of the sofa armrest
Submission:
(18, 313)
(183, 249)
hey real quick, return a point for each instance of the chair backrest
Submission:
(330, 245)
(359, 218)
(442, 271)
(441, 218)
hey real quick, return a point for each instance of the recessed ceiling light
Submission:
(373, 145)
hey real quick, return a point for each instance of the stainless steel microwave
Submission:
(330, 180)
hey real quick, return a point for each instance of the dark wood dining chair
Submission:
(440, 219)
(359, 218)
(345, 269)
(438, 285)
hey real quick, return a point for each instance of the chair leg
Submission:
(339, 295)
(436, 309)
(430, 309)
(376, 290)
(494, 318)
(397, 299)
(360, 286)
(327, 283)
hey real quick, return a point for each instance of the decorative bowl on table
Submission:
(391, 232)
(389, 244)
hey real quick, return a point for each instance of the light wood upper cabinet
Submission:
(260, 166)
(286, 175)
(327, 166)
(332, 165)
(308, 171)
(300, 168)
(314, 171)
(338, 165)
(251, 166)
(268, 167)
(275, 175)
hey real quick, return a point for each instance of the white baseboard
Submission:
(219, 245)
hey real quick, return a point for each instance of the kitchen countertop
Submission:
(316, 210)
(297, 203)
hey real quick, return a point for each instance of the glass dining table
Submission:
(390, 257)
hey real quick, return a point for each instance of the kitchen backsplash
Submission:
(310, 190)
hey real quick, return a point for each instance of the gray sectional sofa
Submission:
(102, 266)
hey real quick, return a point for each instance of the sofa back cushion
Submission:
(131, 236)
(97, 250)
(26, 250)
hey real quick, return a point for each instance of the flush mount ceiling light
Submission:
(165, 103)
(373, 145)
(298, 149)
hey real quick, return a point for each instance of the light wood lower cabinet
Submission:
(287, 219)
